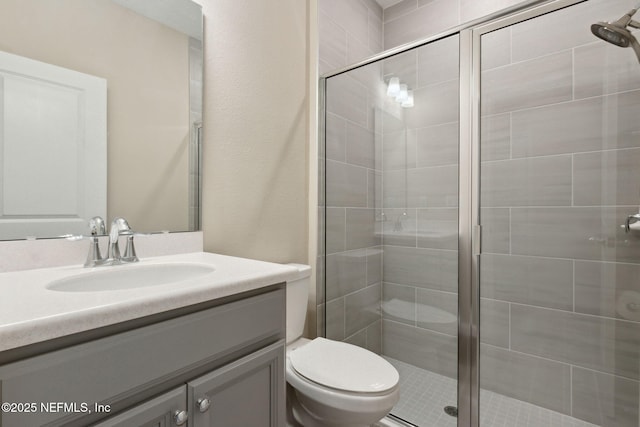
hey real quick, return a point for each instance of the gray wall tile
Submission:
(425, 268)
(532, 379)
(533, 83)
(335, 137)
(360, 229)
(591, 233)
(438, 228)
(399, 149)
(543, 181)
(332, 42)
(496, 230)
(607, 178)
(496, 48)
(358, 50)
(604, 399)
(424, 187)
(606, 345)
(359, 338)
(561, 28)
(376, 39)
(374, 193)
(434, 105)
(347, 98)
(432, 18)
(544, 282)
(494, 322)
(437, 311)
(346, 185)
(601, 68)
(399, 228)
(577, 126)
(374, 265)
(350, 15)
(335, 230)
(374, 337)
(399, 303)
(473, 9)
(438, 61)
(403, 66)
(420, 347)
(335, 319)
(362, 308)
(346, 273)
(402, 8)
(607, 289)
(437, 145)
(433, 187)
(374, 8)
(495, 138)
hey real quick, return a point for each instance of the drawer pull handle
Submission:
(180, 417)
(203, 404)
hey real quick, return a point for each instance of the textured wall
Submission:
(255, 129)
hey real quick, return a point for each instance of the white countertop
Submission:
(31, 313)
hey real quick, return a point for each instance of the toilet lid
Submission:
(343, 366)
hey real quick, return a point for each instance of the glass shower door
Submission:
(560, 175)
(391, 215)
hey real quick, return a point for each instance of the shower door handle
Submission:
(631, 219)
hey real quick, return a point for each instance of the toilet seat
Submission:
(344, 367)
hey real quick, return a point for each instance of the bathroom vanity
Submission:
(207, 351)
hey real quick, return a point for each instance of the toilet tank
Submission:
(297, 298)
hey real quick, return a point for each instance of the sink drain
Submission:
(451, 410)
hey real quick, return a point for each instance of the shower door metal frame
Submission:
(469, 225)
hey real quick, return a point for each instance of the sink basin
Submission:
(114, 278)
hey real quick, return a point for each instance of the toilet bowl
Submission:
(332, 383)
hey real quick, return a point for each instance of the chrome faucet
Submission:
(120, 227)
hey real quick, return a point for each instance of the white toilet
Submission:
(331, 383)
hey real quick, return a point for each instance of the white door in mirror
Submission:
(53, 132)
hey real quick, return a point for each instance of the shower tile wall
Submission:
(411, 20)
(351, 31)
(420, 200)
(560, 174)
(560, 280)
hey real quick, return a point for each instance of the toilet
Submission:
(332, 383)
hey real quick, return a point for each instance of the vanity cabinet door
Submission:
(248, 392)
(159, 412)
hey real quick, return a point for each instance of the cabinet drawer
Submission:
(119, 367)
(158, 412)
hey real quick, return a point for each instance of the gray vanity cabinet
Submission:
(249, 392)
(245, 393)
(229, 352)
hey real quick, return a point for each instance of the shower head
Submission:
(612, 33)
(616, 32)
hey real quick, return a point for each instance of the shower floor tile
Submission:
(424, 394)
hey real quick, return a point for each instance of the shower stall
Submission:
(479, 196)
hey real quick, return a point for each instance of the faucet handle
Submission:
(97, 227)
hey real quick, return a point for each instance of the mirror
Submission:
(67, 154)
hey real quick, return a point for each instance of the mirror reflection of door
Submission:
(53, 145)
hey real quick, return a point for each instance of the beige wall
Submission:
(146, 67)
(256, 113)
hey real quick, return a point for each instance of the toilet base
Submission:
(298, 416)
